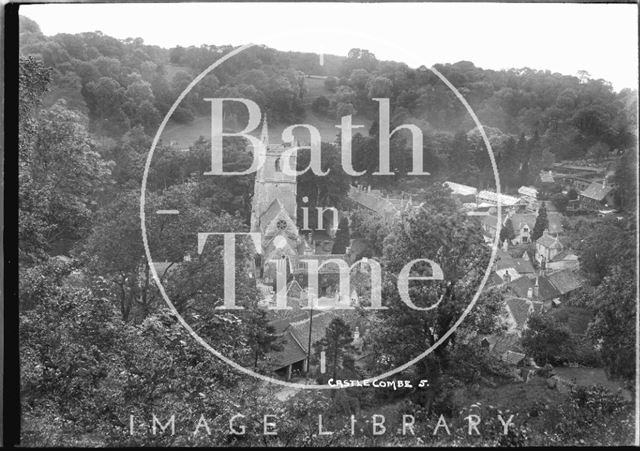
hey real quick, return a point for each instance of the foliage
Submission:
(343, 237)
(337, 346)
(542, 223)
(506, 232)
(560, 201)
(60, 173)
(369, 226)
(614, 325)
(547, 341)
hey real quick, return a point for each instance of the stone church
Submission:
(273, 214)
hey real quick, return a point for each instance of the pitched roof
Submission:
(274, 209)
(462, 190)
(566, 254)
(499, 344)
(492, 197)
(321, 321)
(565, 281)
(513, 357)
(494, 279)
(372, 200)
(549, 242)
(504, 261)
(520, 288)
(546, 177)
(520, 309)
(521, 219)
(292, 351)
(528, 191)
(596, 191)
(162, 267)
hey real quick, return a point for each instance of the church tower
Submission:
(272, 183)
(273, 210)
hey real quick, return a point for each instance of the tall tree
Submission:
(547, 341)
(542, 223)
(336, 344)
(506, 232)
(343, 237)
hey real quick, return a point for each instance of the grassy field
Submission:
(183, 135)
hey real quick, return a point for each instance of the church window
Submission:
(277, 163)
(281, 224)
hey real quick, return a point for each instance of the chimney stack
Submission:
(536, 288)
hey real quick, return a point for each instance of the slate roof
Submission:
(549, 242)
(499, 344)
(521, 309)
(520, 288)
(295, 338)
(596, 191)
(566, 254)
(504, 261)
(372, 201)
(507, 342)
(300, 329)
(494, 279)
(292, 351)
(565, 281)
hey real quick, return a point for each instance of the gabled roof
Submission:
(372, 200)
(461, 190)
(270, 213)
(321, 321)
(162, 267)
(565, 281)
(596, 191)
(566, 254)
(521, 286)
(492, 197)
(499, 344)
(521, 219)
(528, 191)
(549, 242)
(520, 309)
(505, 261)
(494, 279)
(292, 351)
(512, 357)
(546, 177)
